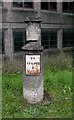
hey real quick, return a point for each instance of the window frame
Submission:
(68, 42)
(48, 40)
(69, 9)
(44, 5)
(49, 6)
(22, 5)
(23, 39)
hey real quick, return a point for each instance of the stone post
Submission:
(59, 38)
(33, 63)
(9, 43)
(59, 33)
(59, 7)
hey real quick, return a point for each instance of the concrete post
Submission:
(33, 64)
(37, 7)
(8, 43)
(59, 7)
(59, 39)
(59, 33)
(33, 72)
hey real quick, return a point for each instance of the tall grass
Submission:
(61, 61)
(51, 62)
(12, 67)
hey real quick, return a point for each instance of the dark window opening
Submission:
(65, 6)
(53, 39)
(71, 7)
(53, 5)
(68, 6)
(45, 39)
(28, 4)
(49, 39)
(3, 44)
(68, 38)
(0, 41)
(17, 4)
(19, 40)
(2, 48)
(23, 4)
(44, 5)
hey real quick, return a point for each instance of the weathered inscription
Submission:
(32, 64)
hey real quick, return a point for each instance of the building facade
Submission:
(57, 28)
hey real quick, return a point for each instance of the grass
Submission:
(57, 84)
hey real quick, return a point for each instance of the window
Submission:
(2, 41)
(49, 38)
(49, 5)
(45, 39)
(19, 40)
(53, 39)
(44, 5)
(68, 6)
(17, 4)
(68, 38)
(28, 4)
(23, 4)
(71, 7)
(3, 45)
(53, 5)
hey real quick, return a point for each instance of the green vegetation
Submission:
(58, 91)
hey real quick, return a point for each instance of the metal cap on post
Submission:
(33, 90)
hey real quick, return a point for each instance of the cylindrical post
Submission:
(33, 63)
